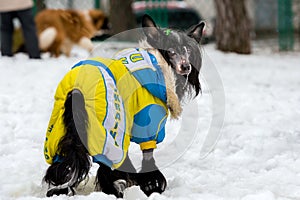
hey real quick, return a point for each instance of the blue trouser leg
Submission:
(29, 32)
(7, 29)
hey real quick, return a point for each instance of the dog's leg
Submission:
(86, 43)
(150, 179)
(73, 167)
(115, 181)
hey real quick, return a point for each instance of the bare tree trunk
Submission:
(121, 16)
(232, 29)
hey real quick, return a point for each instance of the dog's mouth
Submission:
(183, 69)
(181, 65)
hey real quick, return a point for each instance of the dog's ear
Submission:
(147, 21)
(149, 27)
(98, 18)
(196, 31)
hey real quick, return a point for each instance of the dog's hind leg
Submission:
(74, 163)
(115, 181)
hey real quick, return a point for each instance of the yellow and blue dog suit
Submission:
(125, 98)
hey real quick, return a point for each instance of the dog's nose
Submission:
(185, 66)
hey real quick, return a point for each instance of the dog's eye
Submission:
(171, 52)
(189, 51)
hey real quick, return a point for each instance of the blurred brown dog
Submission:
(58, 30)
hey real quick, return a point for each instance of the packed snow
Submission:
(256, 156)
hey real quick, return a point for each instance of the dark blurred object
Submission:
(285, 25)
(121, 17)
(172, 14)
(233, 27)
(39, 5)
(178, 13)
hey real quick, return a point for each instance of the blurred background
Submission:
(232, 25)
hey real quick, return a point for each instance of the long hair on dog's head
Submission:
(180, 50)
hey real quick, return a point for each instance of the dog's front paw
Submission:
(150, 179)
(153, 181)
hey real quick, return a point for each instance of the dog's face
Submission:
(180, 50)
(98, 19)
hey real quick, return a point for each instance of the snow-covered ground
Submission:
(256, 158)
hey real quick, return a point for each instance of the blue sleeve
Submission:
(149, 124)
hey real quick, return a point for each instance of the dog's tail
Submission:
(47, 37)
(74, 165)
